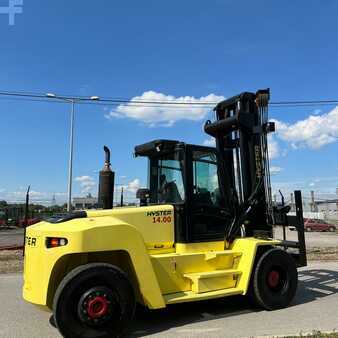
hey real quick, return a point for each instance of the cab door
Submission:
(207, 215)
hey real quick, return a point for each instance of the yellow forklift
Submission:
(203, 230)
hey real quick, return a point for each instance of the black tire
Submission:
(332, 229)
(74, 302)
(52, 322)
(269, 291)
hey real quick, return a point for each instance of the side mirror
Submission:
(143, 195)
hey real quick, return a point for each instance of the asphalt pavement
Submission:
(314, 308)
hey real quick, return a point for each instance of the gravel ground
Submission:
(11, 261)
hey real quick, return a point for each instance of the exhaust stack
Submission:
(106, 183)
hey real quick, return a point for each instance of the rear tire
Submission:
(275, 279)
(93, 301)
(52, 322)
(332, 229)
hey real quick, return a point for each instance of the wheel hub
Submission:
(273, 278)
(96, 306)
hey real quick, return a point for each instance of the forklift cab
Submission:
(186, 176)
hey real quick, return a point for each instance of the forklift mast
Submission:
(240, 132)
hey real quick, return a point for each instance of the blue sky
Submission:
(178, 48)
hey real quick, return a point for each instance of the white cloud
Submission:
(87, 183)
(153, 114)
(83, 178)
(274, 170)
(317, 111)
(134, 185)
(129, 189)
(32, 194)
(61, 194)
(273, 146)
(210, 142)
(313, 132)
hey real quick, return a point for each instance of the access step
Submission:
(190, 296)
(213, 280)
(215, 254)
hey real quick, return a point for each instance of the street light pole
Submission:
(71, 151)
(72, 101)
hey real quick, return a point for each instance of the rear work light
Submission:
(54, 242)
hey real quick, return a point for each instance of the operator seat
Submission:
(168, 192)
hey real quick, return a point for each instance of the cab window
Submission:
(166, 179)
(205, 184)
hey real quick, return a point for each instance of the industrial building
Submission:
(88, 202)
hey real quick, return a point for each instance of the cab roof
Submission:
(156, 147)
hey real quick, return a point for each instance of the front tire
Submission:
(94, 301)
(275, 279)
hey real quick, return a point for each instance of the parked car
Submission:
(317, 225)
(30, 221)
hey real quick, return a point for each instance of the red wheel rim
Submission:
(273, 278)
(97, 307)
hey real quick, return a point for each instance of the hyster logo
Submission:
(30, 241)
(159, 213)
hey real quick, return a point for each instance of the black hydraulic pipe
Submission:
(223, 127)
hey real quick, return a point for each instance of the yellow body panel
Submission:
(127, 229)
(192, 269)
(199, 247)
(248, 247)
(164, 272)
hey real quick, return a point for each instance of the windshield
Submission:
(166, 179)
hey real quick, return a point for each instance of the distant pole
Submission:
(53, 201)
(26, 219)
(292, 202)
(71, 151)
(71, 139)
(122, 197)
(27, 206)
(313, 201)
